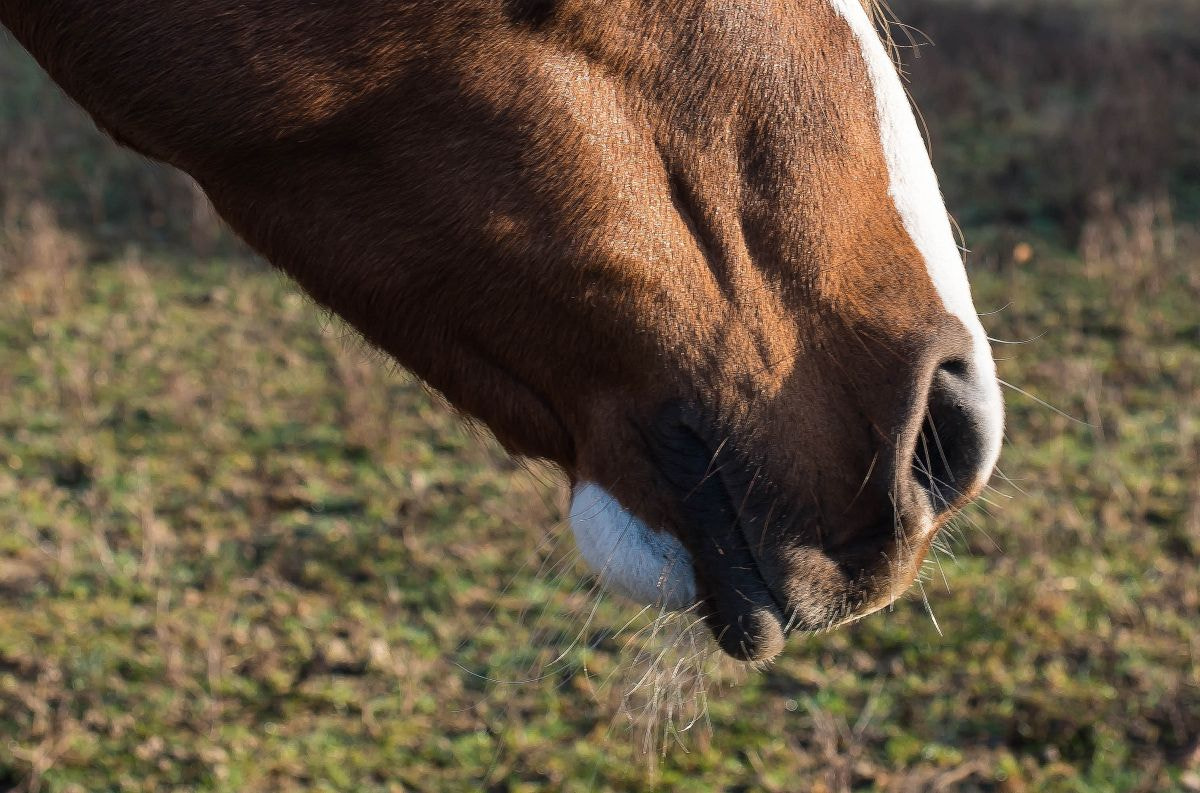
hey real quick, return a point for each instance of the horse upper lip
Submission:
(761, 566)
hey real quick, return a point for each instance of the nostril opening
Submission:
(950, 446)
(932, 467)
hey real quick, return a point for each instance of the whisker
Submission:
(1012, 482)
(1038, 337)
(1045, 404)
(863, 486)
(929, 608)
(1002, 308)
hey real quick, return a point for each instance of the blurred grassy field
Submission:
(238, 552)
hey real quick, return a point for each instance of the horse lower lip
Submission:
(746, 619)
(745, 627)
(738, 604)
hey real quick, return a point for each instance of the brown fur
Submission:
(565, 214)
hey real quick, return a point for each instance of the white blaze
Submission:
(918, 199)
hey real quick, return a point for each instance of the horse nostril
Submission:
(952, 444)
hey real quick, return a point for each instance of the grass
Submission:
(240, 553)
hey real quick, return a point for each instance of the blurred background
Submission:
(239, 552)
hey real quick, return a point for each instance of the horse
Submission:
(692, 252)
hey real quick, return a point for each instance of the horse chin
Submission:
(629, 558)
(655, 569)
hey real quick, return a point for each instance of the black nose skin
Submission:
(951, 445)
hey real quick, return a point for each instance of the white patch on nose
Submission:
(914, 189)
(630, 559)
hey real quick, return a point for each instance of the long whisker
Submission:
(928, 607)
(1045, 404)
(1038, 337)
